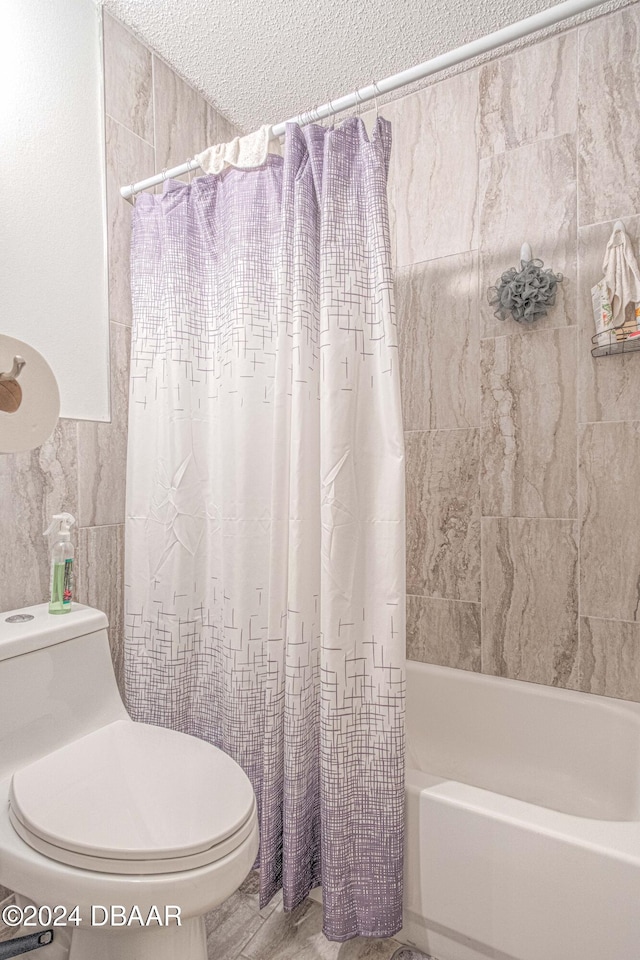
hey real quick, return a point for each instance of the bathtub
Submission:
(523, 820)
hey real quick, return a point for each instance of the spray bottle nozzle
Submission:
(64, 521)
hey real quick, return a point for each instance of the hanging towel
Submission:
(249, 151)
(619, 286)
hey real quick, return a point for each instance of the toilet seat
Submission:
(132, 798)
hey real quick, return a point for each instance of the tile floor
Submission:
(239, 930)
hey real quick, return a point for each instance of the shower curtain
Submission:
(265, 505)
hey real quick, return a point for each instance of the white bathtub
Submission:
(523, 820)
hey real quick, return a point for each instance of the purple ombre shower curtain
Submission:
(265, 505)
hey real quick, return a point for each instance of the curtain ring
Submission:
(358, 104)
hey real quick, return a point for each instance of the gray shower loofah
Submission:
(525, 294)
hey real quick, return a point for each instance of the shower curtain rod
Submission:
(515, 31)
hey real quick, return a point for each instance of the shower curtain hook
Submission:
(330, 114)
(375, 99)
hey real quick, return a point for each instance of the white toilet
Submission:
(97, 811)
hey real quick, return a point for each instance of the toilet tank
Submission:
(56, 681)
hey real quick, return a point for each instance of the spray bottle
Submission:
(61, 592)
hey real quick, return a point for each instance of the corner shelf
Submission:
(607, 344)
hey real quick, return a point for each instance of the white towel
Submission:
(249, 151)
(621, 273)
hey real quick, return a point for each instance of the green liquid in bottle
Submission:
(61, 587)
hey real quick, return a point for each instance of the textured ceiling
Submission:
(262, 62)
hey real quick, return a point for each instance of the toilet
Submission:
(121, 826)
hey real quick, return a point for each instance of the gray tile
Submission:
(530, 95)
(609, 661)
(298, 936)
(610, 512)
(609, 387)
(529, 194)
(445, 632)
(435, 161)
(100, 583)
(609, 132)
(529, 425)
(437, 308)
(443, 514)
(128, 84)
(128, 158)
(250, 889)
(33, 486)
(530, 599)
(6, 897)
(181, 118)
(102, 447)
(231, 926)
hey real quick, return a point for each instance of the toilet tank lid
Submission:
(33, 628)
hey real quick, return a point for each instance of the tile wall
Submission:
(523, 452)
(153, 120)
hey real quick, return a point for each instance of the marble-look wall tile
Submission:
(609, 108)
(609, 658)
(128, 84)
(609, 386)
(218, 129)
(529, 194)
(530, 599)
(128, 158)
(33, 486)
(181, 118)
(443, 514)
(445, 632)
(610, 512)
(437, 307)
(530, 95)
(435, 176)
(529, 425)
(102, 447)
(100, 583)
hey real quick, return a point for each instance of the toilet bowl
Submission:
(128, 832)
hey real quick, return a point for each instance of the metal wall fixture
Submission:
(10, 389)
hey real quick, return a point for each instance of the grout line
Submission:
(493, 516)
(445, 256)
(529, 333)
(577, 663)
(631, 623)
(153, 104)
(594, 423)
(119, 123)
(422, 596)
(442, 430)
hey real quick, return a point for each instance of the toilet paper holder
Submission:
(10, 389)
(16, 369)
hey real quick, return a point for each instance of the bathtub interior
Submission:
(568, 751)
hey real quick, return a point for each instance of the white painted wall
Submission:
(53, 265)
